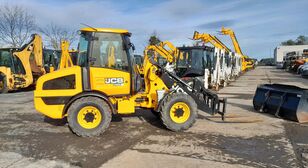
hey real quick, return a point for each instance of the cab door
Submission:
(110, 81)
(109, 65)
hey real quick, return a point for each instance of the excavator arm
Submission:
(207, 38)
(31, 57)
(230, 32)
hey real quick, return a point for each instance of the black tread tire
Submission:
(74, 108)
(165, 111)
(5, 88)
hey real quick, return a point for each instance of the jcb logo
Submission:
(177, 88)
(114, 81)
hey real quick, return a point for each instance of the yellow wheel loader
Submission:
(105, 82)
(19, 68)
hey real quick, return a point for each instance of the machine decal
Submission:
(114, 81)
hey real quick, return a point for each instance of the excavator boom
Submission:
(246, 62)
(230, 32)
(207, 38)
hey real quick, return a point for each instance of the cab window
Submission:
(108, 52)
(5, 58)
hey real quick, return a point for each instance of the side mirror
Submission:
(133, 46)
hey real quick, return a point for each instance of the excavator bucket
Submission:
(284, 101)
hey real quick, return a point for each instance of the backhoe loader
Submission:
(105, 81)
(222, 71)
(19, 68)
(247, 63)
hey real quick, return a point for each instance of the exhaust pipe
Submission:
(284, 101)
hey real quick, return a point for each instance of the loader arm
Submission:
(160, 50)
(206, 100)
(171, 49)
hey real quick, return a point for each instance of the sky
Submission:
(260, 25)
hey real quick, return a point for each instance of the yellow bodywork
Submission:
(100, 76)
(106, 30)
(66, 60)
(56, 111)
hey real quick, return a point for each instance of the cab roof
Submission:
(106, 30)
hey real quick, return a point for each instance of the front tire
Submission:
(178, 111)
(89, 116)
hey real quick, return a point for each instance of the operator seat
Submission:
(111, 51)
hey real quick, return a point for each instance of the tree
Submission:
(16, 25)
(55, 33)
(288, 42)
(154, 39)
(300, 40)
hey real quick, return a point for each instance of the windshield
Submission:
(197, 60)
(5, 58)
(108, 51)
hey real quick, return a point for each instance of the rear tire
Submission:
(3, 84)
(89, 116)
(178, 111)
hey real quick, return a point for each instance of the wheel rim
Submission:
(89, 117)
(180, 112)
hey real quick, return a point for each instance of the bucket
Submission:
(284, 101)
